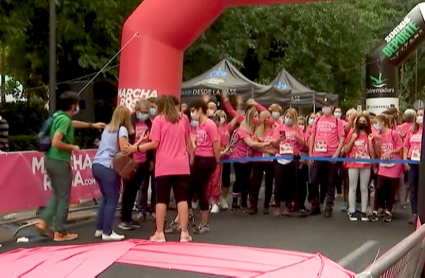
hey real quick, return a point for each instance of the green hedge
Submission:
(28, 143)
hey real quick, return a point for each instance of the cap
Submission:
(327, 101)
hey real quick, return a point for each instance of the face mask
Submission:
(256, 121)
(377, 127)
(142, 116)
(338, 115)
(194, 115)
(275, 115)
(76, 110)
(302, 126)
(310, 121)
(152, 111)
(326, 110)
(222, 120)
(194, 123)
(288, 121)
(419, 120)
(210, 112)
(361, 126)
(269, 121)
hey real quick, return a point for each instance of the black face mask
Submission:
(361, 126)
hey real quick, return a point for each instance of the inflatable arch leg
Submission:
(152, 63)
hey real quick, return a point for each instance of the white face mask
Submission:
(222, 120)
(327, 110)
(210, 112)
(338, 115)
(194, 115)
(76, 110)
(419, 119)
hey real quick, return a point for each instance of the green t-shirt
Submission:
(62, 123)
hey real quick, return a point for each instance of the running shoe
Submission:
(352, 216)
(202, 229)
(387, 216)
(224, 204)
(344, 207)
(174, 227)
(374, 216)
(158, 237)
(185, 237)
(192, 220)
(112, 237)
(364, 217)
(215, 208)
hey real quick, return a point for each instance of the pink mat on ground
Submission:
(225, 260)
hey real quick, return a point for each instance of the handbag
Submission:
(124, 165)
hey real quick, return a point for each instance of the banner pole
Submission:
(421, 185)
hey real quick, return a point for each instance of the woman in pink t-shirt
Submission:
(242, 148)
(263, 133)
(288, 139)
(359, 144)
(206, 156)
(170, 136)
(412, 151)
(303, 167)
(225, 129)
(388, 146)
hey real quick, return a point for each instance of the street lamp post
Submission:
(52, 57)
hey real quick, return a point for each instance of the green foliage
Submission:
(322, 44)
(20, 143)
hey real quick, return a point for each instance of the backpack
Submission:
(44, 142)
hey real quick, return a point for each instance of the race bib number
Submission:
(362, 156)
(321, 147)
(416, 155)
(387, 165)
(286, 148)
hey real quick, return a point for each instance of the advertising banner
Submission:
(381, 79)
(406, 37)
(24, 183)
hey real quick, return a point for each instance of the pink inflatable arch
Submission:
(155, 37)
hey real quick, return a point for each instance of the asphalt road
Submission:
(353, 244)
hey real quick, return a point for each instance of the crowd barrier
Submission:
(25, 185)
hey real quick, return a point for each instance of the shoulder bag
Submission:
(123, 164)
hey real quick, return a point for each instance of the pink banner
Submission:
(24, 183)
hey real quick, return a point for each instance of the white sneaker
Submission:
(194, 205)
(215, 208)
(224, 204)
(98, 233)
(113, 236)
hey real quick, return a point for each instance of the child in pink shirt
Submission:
(412, 151)
(388, 146)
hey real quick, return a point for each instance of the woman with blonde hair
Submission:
(275, 111)
(170, 136)
(242, 149)
(263, 133)
(114, 139)
(288, 138)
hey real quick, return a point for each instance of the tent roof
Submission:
(222, 76)
(285, 81)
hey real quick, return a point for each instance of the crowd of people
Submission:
(178, 148)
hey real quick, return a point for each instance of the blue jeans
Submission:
(109, 183)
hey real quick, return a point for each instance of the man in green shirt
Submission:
(57, 162)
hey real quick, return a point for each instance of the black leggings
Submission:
(302, 177)
(258, 170)
(385, 191)
(130, 191)
(284, 186)
(241, 185)
(201, 172)
(225, 176)
(179, 184)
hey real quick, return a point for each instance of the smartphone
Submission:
(282, 133)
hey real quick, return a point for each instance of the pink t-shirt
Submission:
(205, 135)
(327, 132)
(360, 149)
(268, 137)
(241, 149)
(391, 141)
(224, 131)
(140, 128)
(403, 129)
(413, 143)
(172, 156)
(290, 145)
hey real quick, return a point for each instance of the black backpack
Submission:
(44, 142)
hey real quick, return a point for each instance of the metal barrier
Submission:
(405, 260)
